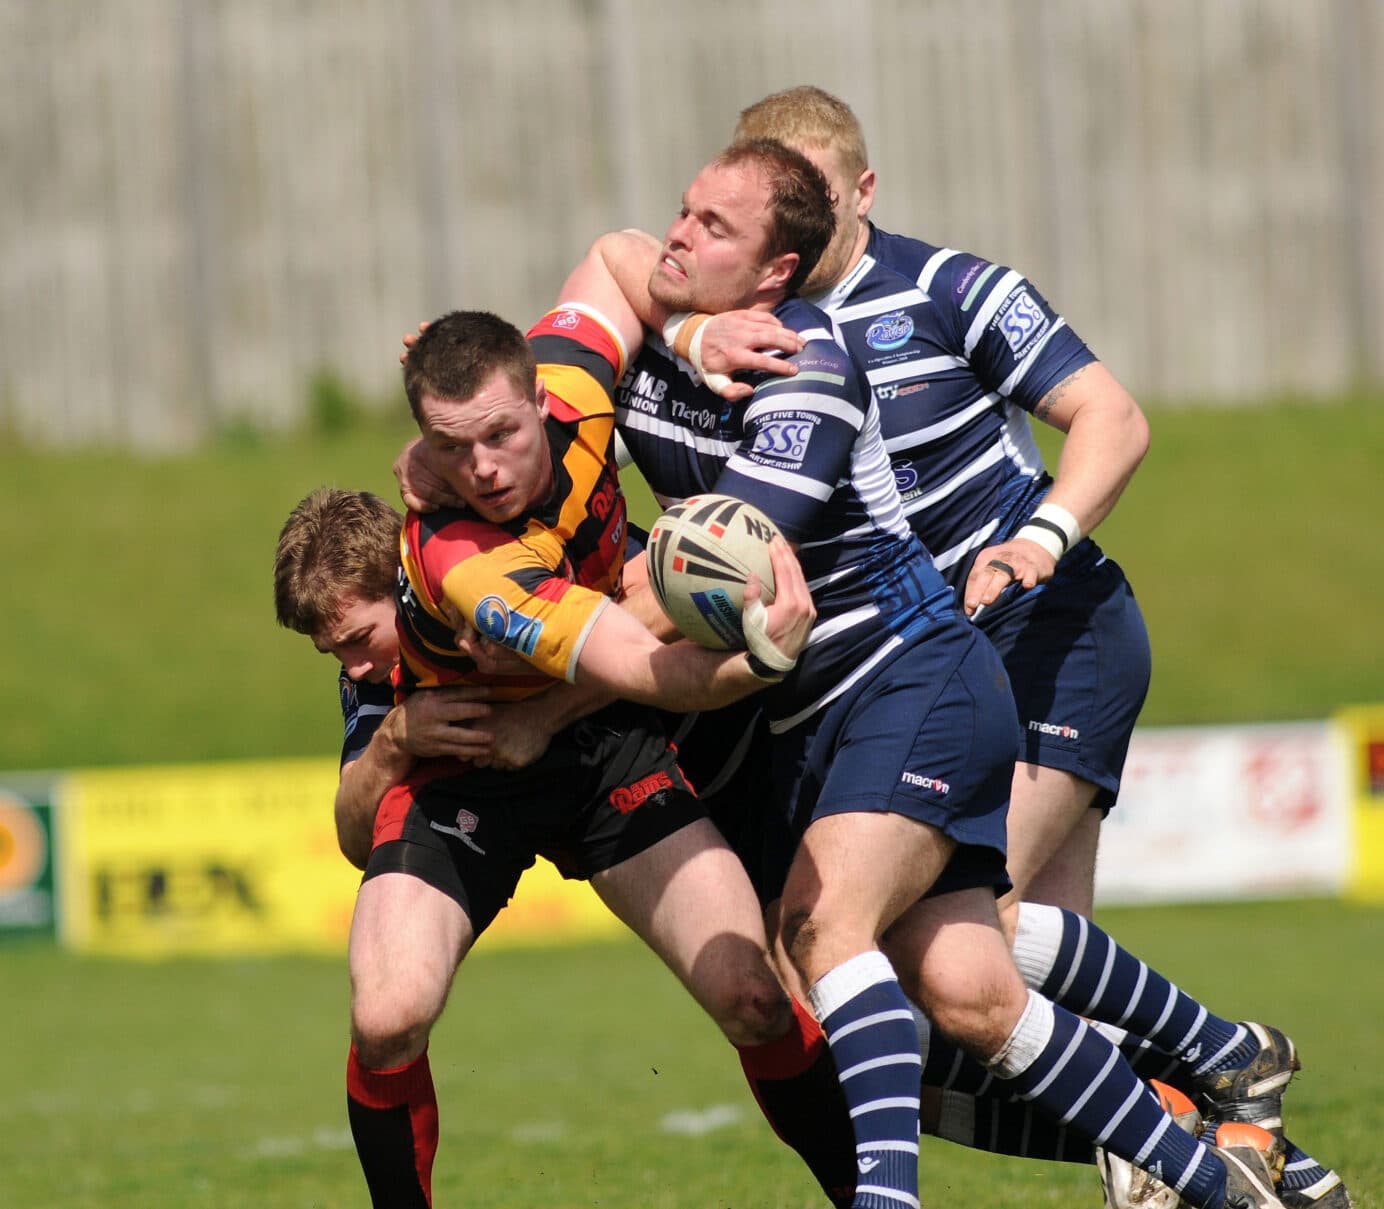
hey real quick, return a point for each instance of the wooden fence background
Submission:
(203, 203)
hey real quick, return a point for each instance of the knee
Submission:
(977, 1013)
(388, 1031)
(801, 934)
(752, 1009)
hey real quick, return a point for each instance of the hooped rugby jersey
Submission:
(807, 451)
(535, 584)
(957, 350)
(364, 706)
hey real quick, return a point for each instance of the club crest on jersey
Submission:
(498, 622)
(889, 331)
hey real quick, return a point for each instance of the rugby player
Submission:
(890, 735)
(606, 800)
(959, 352)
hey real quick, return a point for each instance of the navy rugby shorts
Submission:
(607, 789)
(930, 735)
(1077, 654)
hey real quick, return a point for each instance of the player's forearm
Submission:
(1107, 437)
(623, 658)
(364, 782)
(563, 704)
(613, 279)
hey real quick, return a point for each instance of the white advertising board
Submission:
(1228, 812)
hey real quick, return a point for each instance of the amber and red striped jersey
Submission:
(535, 584)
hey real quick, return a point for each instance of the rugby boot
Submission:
(1253, 1160)
(1327, 1193)
(1253, 1093)
(1129, 1187)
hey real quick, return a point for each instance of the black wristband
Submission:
(1042, 522)
(761, 670)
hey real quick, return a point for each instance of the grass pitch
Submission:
(569, 1077)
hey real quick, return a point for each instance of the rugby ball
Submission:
(701, 552)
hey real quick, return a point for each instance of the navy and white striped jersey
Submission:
(807, 450)
(957, 350)
(363, 709)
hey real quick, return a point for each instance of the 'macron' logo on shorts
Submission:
(912, 778)
(631, 797)
(1061, 732)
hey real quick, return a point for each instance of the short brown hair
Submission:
(456, 355)
(808, 115)
(335, 544)
(802, 214)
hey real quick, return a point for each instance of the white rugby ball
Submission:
(701, 552)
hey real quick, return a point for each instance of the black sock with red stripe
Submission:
(393, 1117)
(794, 1082)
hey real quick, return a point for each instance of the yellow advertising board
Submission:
(1364, 725)
(242, 858)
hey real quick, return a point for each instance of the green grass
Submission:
(216, 1084)
(141, 628)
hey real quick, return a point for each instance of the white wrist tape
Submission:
(1052, 527)
(755, 623)
(716, 382)
(672, 330)
(682, 333)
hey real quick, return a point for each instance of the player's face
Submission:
(713, 254)
(854, 197)
(363, 639)
(491, 448)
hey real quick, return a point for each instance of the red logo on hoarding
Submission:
(1374, 768)
(1284, 786)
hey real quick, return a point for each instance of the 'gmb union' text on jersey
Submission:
(642, 391)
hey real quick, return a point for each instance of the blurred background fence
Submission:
(205, 203)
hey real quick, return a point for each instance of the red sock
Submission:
(794, 1082)
(393, 1117)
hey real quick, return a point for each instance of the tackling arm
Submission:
(614, 279)
(428, 723)
(1107, 437)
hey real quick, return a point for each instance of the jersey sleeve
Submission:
(577, 338)
(363, 709)
(516, 591)
(1016, 344)
(799, 435)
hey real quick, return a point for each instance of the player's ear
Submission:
(540, 398)
(865, 191)
(778, 271)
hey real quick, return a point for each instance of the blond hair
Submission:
(807, 115)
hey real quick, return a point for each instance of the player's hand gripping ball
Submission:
(701, 552)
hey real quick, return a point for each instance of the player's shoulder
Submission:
(577, 337)
(816, 327)
(945, 274)
(460, 531)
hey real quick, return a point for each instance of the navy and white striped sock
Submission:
(869, 1026)
(1074, 963)
(1055, 1060)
